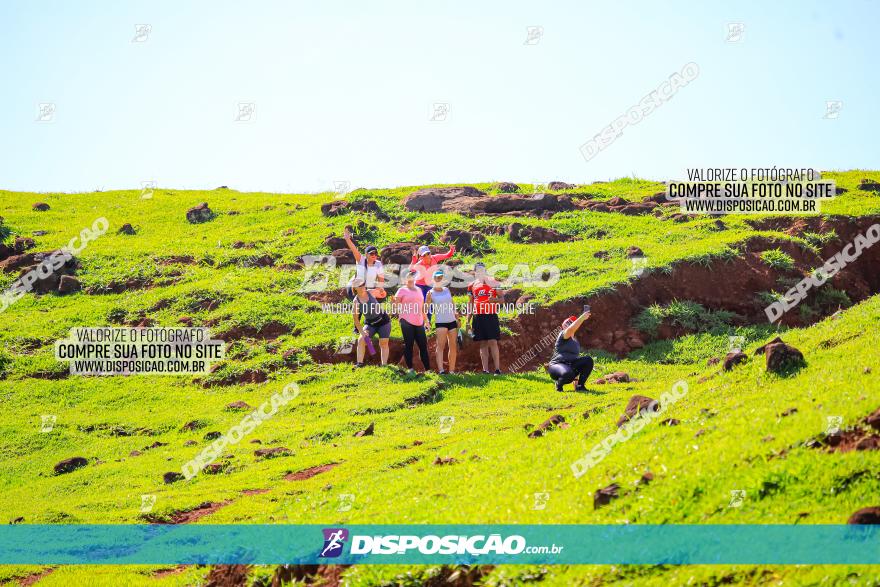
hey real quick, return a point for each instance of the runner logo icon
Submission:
(334, 540)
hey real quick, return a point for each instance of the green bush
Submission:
(687, 314)
(4, 231)
(777, 259)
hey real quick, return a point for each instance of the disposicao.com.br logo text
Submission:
(334, 539)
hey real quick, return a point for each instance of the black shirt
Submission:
(565, 350)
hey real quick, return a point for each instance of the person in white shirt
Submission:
(368, 267)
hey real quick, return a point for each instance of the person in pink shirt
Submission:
(425, 264)
(413, 321)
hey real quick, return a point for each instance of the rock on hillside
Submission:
(468, 200)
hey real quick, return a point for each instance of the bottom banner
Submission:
(439, 544)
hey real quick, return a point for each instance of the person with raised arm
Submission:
(367, 267)
(567, 362)
(425, 264)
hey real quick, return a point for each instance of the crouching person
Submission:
(567, 363)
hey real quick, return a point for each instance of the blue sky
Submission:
(345, 91)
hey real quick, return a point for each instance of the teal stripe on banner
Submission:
(439, 544)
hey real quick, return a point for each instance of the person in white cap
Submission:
(439, 299)
(425, 264)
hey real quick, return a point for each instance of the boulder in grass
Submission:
(556, 421)
(368, 431)
(560, 185)
(126, 229)
(466, 242)
(634, 251)
(337, 242)
(445, 461)
(505, 187)
(519, 233)
(781, 357)
(439, 199)
(199, 213)
(40, 207)
(658, 198)
(71, 464)
(335, 208)
(22, 244)
(731, 360)
(874, 419)
(371, 207)
(238, 406)
(869, 515)
(275, 451)
(869, 185)
(172, 477)
(68, 284)
(616, 377)
(604, 496)
(636, 405)
(343, 257)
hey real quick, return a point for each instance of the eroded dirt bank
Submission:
(731, 284)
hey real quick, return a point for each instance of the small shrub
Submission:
(769, 297)
(830, 298)
(777, 259)
(817, 239)
(4, 231)
(688, 315)
(649, 320)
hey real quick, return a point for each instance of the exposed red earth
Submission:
(731, 284)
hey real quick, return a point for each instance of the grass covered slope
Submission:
(736, 432)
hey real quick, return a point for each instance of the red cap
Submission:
(569, 320)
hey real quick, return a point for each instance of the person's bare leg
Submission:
(361, 347)
(484, 354)
(496, 355)
(384, 350)
(440, 347)
(452, 339)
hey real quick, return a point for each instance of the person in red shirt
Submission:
(425, 264)
(483, 301)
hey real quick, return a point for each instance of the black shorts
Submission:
(486, 327)
(447, 325)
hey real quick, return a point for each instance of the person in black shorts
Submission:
(376, 321)
(483, 301)
(567, 362)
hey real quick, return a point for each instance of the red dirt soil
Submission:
(198, 512)
(310, 472)
(34, 577)
(722, 285)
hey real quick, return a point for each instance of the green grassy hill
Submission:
(743, 429)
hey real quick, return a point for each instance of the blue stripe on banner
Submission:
(439, 544)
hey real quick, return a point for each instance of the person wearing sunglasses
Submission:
(368, 267)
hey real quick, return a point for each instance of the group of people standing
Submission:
(423, 298)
